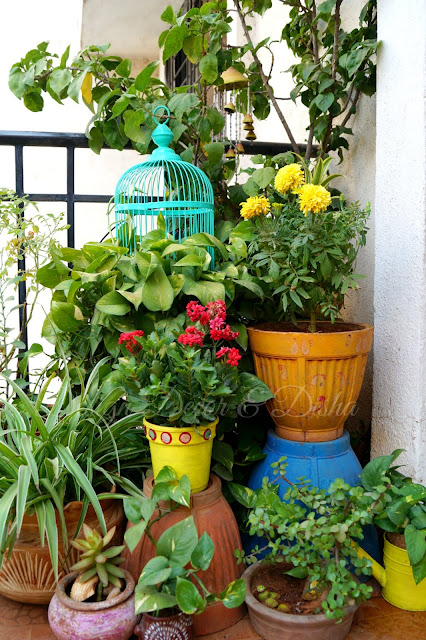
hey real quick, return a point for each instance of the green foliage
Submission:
(97, 558)
(51, 456)
(178, 376)
(24, 233)
(405, 509)
(169, 580)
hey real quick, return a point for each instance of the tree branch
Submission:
(265, 80)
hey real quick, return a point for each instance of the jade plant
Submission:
(310, 533)
(98, 568)
(187, 374)
(301, 247)
(170, 580)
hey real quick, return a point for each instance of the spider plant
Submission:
(52, 456)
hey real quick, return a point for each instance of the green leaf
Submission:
(174, 41)
(155, 571)
(124, 68)
(419, 570)
(324, 101)
(297, 572)
(181, 103)
(327, 6)
(193, 47)
(207, 240)
(263, 177)
(17, 83)
(181, 493)
(59, 79)
(208, 67)
(203, 553)
(190, 261)
(415, 540)
(374, 472)
(66, 316)
(113, 304)
(203, 290)
(178, 542)
(254, 390)
(75, 86)
(144, 76)
(132, 126)
(33, 100)
(52, 535)
(234, 594)
(168, 15)
(6, 502)
(148, 598)
(188, 597)
(215, 151)
(157, 293)
(223, 453)
(134, 534)
(243, 495)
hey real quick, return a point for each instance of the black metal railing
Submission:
(72, 141)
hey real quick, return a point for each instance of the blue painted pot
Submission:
(320, 462)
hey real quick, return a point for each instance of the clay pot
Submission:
(178, 627)
(27, 576)
(316, 377)
(113, 619)
(274, 625)
(212, 514)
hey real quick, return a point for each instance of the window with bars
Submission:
(180, 71)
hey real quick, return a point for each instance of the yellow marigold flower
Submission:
(313, 197)
(255, 206)
(289, 178)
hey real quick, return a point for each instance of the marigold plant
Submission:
(186, 371)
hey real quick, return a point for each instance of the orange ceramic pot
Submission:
(315, 377)
(27, 576)
(213, 514)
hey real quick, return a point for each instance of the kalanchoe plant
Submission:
(170, 580)
(98, 566)
(187, 374)
(301, 247)
(310, 531)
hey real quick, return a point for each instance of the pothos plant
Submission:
(334, 69)
(170, 579)
(302, 248)
(187, 375)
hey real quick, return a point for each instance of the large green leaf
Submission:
(376, 470)
(144, 76)
(148, 598)
(203, 552)
(155, 571)
(234, 594)
(6, 503)
(157, 293)
(188, 597)
(174, 41)
(66, 316)
(178, 542)
(52, 535)
(134, 534)
(203, 290)
(207, 240)
(254, 390)
(415, 540)
(113, 304)
(208, 67)
(263, 177)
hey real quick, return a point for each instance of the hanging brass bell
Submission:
(247, 119)
(239, 148)
(230, 153)
(251, 135)
(248, 127)
(232, 79)
(229, 108)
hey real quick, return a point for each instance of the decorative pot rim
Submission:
(185, 428)
(262, 327)
(259, 608)
(92, 606)
(180, 436)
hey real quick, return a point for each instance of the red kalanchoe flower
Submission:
(223, 334)
(216, 308)
(191, 337)
(129, 339)
(194, 310)
(233, 355)
(217, 323)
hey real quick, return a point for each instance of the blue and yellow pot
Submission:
(188, 451)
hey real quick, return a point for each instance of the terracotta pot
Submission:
(178, 627)
(213, 514)
(274, 625)
(316, 377)
(113, 619)
(27, 576)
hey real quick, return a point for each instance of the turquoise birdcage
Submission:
(167, 186)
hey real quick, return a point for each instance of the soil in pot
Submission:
(284, 590)
(397, 539)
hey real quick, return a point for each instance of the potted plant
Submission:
(96, 600)
(304, 248)
(403, 520)
(182, 377)
(170, 588)
(169, 501)
(305, 584)
(57, 465)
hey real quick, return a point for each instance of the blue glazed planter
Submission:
(321, 462)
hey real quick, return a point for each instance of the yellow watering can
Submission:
(396, 578)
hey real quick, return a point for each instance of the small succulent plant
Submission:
(98, 566)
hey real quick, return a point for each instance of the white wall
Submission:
(399, 411)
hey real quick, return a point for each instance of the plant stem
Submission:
(313, 322)
(265, 80)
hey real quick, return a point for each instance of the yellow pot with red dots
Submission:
(315, 377)
(188, 451)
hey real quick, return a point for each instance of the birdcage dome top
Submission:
(163, 181)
